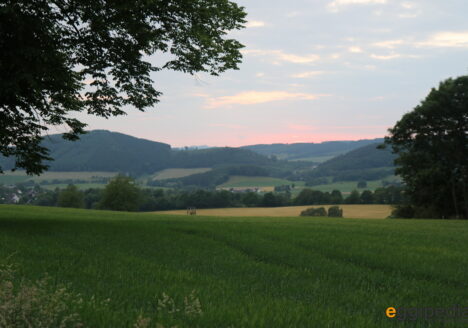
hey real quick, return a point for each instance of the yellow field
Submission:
(349, 211)
(178, 173)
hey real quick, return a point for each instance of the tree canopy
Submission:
(120, 194)
(60, 57)
(432, 147)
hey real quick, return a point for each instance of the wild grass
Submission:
(247, 272)
(35, 304)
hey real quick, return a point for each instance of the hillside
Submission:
(216, 156)
(310, 151)
(365, 163)
(101, 150)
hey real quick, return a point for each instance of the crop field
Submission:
(21, 176)
(237, 181)
(80, 186)
(347, 186)
(177, 173)
(316, 159)
(349, 211)
(239, 272)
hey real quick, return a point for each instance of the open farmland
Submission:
(238, 181)
(244, 272)
(21, 176)
(52, 175)
(349, 211)
(347, 186)
(177, 173)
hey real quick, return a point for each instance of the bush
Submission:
(335, 211)
(320, 211)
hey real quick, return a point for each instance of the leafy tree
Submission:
(353, 198)
(336, 197)
(316, 181)
(309, 196)
(120, 194)
(362, 184)
(58, 57)
(270, 200)
(71, 197)
(431, 143)
(366, 197)
(92, 197)
(47, 198)
(251, 199)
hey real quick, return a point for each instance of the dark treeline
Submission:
(159, 199)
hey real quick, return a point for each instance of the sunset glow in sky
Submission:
(313, 70)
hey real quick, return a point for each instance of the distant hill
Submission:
(310, 151)
(216, 156)
(101, 150)
(364, 163)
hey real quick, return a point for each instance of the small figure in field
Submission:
(191, 211)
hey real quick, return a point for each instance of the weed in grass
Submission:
(33, 305)
(167, 307)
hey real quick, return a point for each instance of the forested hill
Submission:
(101, 150)
(310, 150)
(365, 163)
(216, 156)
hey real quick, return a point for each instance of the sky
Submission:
(313, 71)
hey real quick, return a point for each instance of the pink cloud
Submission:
(258, 97)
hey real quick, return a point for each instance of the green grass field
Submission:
(344, 187)
(348, 186)
(246, 272)
(80, 186)
(177, 173)
(21, 176)
(257, 181)
(315, 159)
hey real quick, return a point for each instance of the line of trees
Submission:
(122, 194)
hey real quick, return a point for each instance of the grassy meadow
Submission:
(347, 186)
(349, 211)
(205, 271)
(237, 181)
(20, 176)
(268, 184)
(177, 173)
(58, 179)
